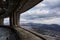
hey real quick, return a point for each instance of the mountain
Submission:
(54, 27)
(45, 29)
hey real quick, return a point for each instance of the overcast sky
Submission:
(46, 12)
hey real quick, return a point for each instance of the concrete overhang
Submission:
(22, 6)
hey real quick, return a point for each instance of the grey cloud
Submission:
(51, 4)
(52, 7)
(46, 16)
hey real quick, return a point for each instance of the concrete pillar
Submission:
(1, 21)
(14, 19)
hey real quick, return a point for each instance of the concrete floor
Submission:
(7, 34)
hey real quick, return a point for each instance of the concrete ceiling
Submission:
(16, 6)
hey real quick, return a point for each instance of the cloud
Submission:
(24, 20)
(44, 21)
(48, 21)
(45, 12)
(52, 3)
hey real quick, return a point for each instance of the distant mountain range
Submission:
(45, 29)
(54, 27)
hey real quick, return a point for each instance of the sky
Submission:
(6, 21)
(46, 12)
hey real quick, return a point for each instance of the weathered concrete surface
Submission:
(27, 4)
(25, 35)
(16, 6)
(7, 34)
(1, 21)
